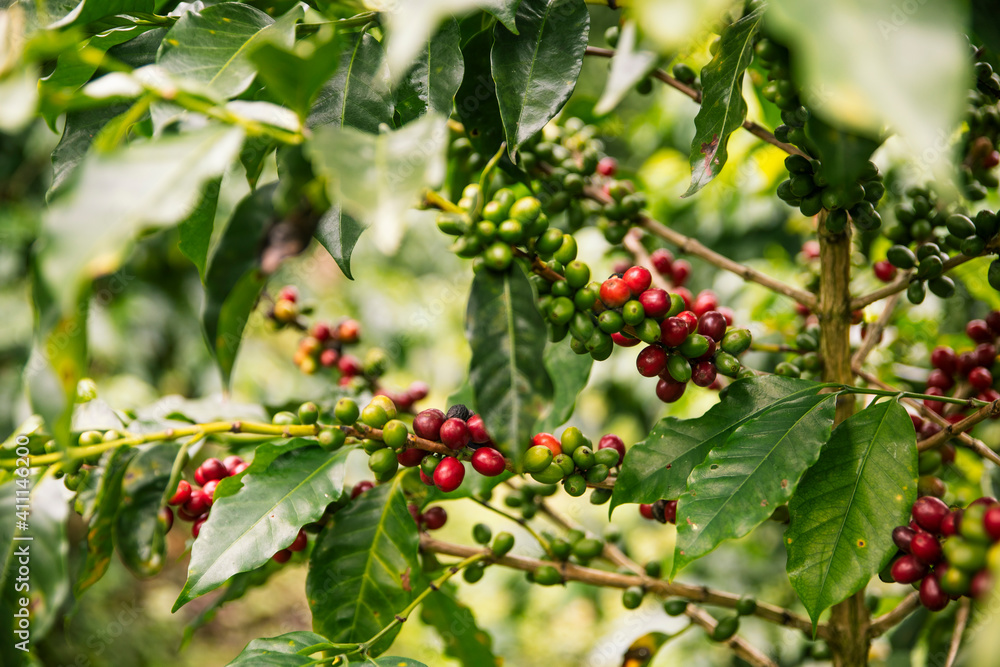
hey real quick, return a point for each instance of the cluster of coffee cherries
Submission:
(664, 511)
(726, 626)
(74, 471)
(574, 461)
(980, 141)
(931, 461)
(972, 370)
(805, 362)
(808, 188)
(462, 432)
(947, 553)
(576, 546)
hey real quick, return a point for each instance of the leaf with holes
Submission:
(246, 528)
(723, 108)
(362, 565)
(864, 481)
(535, 71)
(658, 467)
(507, 370)
(757, 469)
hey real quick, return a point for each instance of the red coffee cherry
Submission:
(945, 359)
(449, 474)
(607, 166)
(670, 511)
(638, 279)
(926, 547)
(182, 494)
(349, 365)
(411, 458)
(614, 292)
(289, 293)
(993, 322)
(980, 378)
(705, 302)
(646, 510)
(429, 481)
(966, 362)
(209, 488)
(986, 354)
(167, 517)
(427, 424)
(991, 522)
(929, 512)
(547, 440)
(197, 504)
(360, 488)
(673, 331)
(884, 271)
(282, 556)
(415, 512)
(455, 433)
(982, 584)
(979, 331)
(488, 462)
(938, 378)
(231, 463)
(670, 390)
(477, 430)
(321, 331)
(690, 319)
(196, 526)
(712, 324)
(908, 569)
(662, 261)
(931, 594)
(811, 249)
(655, 302)
(951, 523)
(932, 405)
(300, 541)
(651, 361)
(624, 341)
(902, 536)
(679, 272)
(685, 295)
(612, 441)
(434, 518)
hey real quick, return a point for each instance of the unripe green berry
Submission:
(502, 544)
(331, 439)
(482, 533)
(383, 461)
(308, 413)
(394, 434)
(374, 415)
(346, 411)
(283, 418)
(632, 597)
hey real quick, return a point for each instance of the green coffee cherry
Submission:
(583, 456)
(610, 322)
(549, 242)
(916, 292)
(607, 457)
(482, 533)
(901, 257)
(572, 438)
(632, 597)
(598, 473)
(746, 606)
(960, 225)
(308, 413)
(584, 298)
(675, 606)
(394, 434)
(537, 459)
(577, 274)
(567, 250)
(283, 418)
(550, 475)
(679, 368)
(648, 331)
(383, 461)
(498, 256)
(526, 209)
(371, 445)
(653, 569)
(502, 544)
(588, 548)
(600, 496)
(374, 415)
(575, 485)
(331, 439)
(474, 572)
(727, 364)
(346, 411)
(546, 575)
(88, 438)
(633, 313)
(726, 628)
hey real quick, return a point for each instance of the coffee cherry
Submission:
(197, 504)
(488, 462)
(434, 517)
(651, 361)
(979, 331)
(632, 597)
(646, 510)
(931, 595)
(926, 547)
(675, 606)
(614, 292)
(346, 411)
(938, 378)
(690, 319)
(679, 272)
(537, 459)
(282, 556)
(902, 536)
(300, 541)
(982, 585)
(746, 606)
(455, 433)
(211, 469)
(953, 580)
(350, 366)
(980, 378)
(547, 440)
(285, 311)
(374, 415)
(908, 569)
(884, 271)
(587, 549)
(209, 488)
(196, 526)
(991, 522)
(612, 441)
(546, 575)
(411, 458)
(706, 301)
(726, 628)
(394, 434)
(986, 354)
(966, 362)
(712, 324)
(673, 331)
(696, 346)
(360, 488)
(736, 342)
(166, 517)
(704, 374)
(427, 424)
(182, 495)
(308, 413)
(669, 391)
(502, 544)
(929, 512)
(638, 279)
(449, 474)
(232, 462)
(383, 463)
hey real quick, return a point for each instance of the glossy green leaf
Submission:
(358, 95)
(195, 231)
(388, 661)
(233, 279)
(629, 66)
(536, 70)
(212, 46)
(280, 651)
(864, 482)
(362, 565)
(386, 173)
(723, 108)
(72, 71)
(138, 533)
(294, 76)
(434, 78)
(476, 100)
(569, 372)
(844, 154)
(658, 467)
(507, 369)
(91, 10)
(758, 468)
(455, 623)
(246, 528)
(339, 233)
(149, 184)
(100, 520)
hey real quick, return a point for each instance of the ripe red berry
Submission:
(932, 405)
(624, 341)
(411, 458)
(209, 488)
(917, 420)
(281, 556)
(547, 440)
(929, 512)
(646, 510)
(986, 354)
(614, 292)
(670, 511)
(945, 359)
(289, 293)
(704, 373)
(427, 424)
(321, 331)
(966, 362)
(196, 526)
(329, 357)
(434, 517)
(705, 301)
(951, 523)
(477, 430)
(651, 361)
(727, 314)
(979, 331)
(300, 541)
(679, 272)
(655, 302)
(360, 488)
(991, 160)
(993, 321)
(980, 378)
(810, 249)
(884, 271)
(938, 378)
(982, 584)
(991, 522)
(638, 279)
(612, 441)
(712, 324)
(662, 261)
(455, 433)
(607, 166)
(902, 536)
(488, 462)
(685, 294)
(197, 504)
(231, 463)
(429, 481)
(690, 319)
(449, 474)
(669, 390)
(931, 594)
(673, 331)
(926, 547)
(908, 569)
(182, 494)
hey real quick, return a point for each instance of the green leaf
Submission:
(385, 174)
(362, 565)
(476, 101)
(390, 661)
(149, 184)
(758, 468)
(339, 233)
(462, 637)
(881, 67)
(972, 275)
(569, 372)
(722, 106)
(507, 369)
(233, 279)
(72, 71)
(246, 528)
(987, 23)
(658, 467)
(629, 66)
(844, 154)
(195, 231)
(358, 95)
(536, 70)
(294, 76)
(280, 651)
(865, 480)
(100, 519)
(92, 10)
(212, 46)
(138, 532)
(433, 80)
(234, 589)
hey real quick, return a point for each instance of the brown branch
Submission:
(883, 623)
(742, 648)
(753, 128)
(951, 430)
(961, 621)
(903, 281)
(873, 335)
(634, 245)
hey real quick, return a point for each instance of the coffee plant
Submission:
(520, 154)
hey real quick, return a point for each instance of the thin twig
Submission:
(961, 621)
(903, 281)
(873, 335)
(951, 430)
(883, 623)
(633, 244)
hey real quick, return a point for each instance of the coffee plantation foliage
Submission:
(319, 317)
